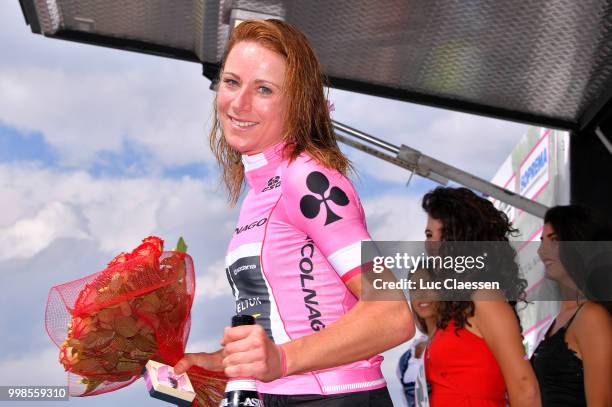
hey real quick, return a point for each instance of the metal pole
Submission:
(365, 137)
(389, 158)
(603, 139)
(413, 160)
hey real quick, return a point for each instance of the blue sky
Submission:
(100, 148)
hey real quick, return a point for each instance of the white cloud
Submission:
(163, 107)
(475, 144)
(213, 284)
(28, 236)
(380, 117)
(12, 202)
(117, 213)
(395, 217)
(85, 100)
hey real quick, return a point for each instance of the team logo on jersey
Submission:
(273, 182)
(310, 294)
(250, 226)
(310, 205)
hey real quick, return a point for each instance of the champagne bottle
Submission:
(242, 391)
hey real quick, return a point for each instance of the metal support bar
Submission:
(389, 158)
(603, 139)
(365, 137)
(413, 160)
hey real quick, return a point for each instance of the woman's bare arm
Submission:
(592, 328)
(369, 328)
(499, 327)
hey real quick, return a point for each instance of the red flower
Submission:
(120, 258)
(68, 356)
(146, 249)
(156, 241)
(80, 327)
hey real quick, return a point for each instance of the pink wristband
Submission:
(283, 361)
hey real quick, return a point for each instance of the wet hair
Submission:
(466, 217)
(585, 249)
(307, 124)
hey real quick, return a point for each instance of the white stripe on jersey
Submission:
(346, 259)
(353, 386)
(242, 251)
(253, 162)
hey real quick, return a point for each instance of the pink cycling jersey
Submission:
(297, 243)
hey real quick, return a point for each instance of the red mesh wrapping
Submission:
(109, 324)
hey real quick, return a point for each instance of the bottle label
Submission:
(241, 384)
(241, 398)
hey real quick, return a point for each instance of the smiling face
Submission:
(433, 230)
(549, 254)
(423, 301)
(433, 235)
(424, 307)
(251, 103)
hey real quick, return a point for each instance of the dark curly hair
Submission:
(467, 217)
(585, 249)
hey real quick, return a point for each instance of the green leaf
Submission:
(181, 246)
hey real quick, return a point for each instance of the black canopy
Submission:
(540, 61)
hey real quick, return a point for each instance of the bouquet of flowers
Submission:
(109, 324)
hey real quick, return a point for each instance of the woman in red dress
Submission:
(476, 357)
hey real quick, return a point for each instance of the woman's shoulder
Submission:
(493, 313)
(306, 170)
(592, 314)
(305, 163)
(591, 329)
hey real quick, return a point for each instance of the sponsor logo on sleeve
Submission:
(306, 278)
(310, 205)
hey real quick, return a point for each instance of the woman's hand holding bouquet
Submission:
(137, 309)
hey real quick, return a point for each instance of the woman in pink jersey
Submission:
(294, 259)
